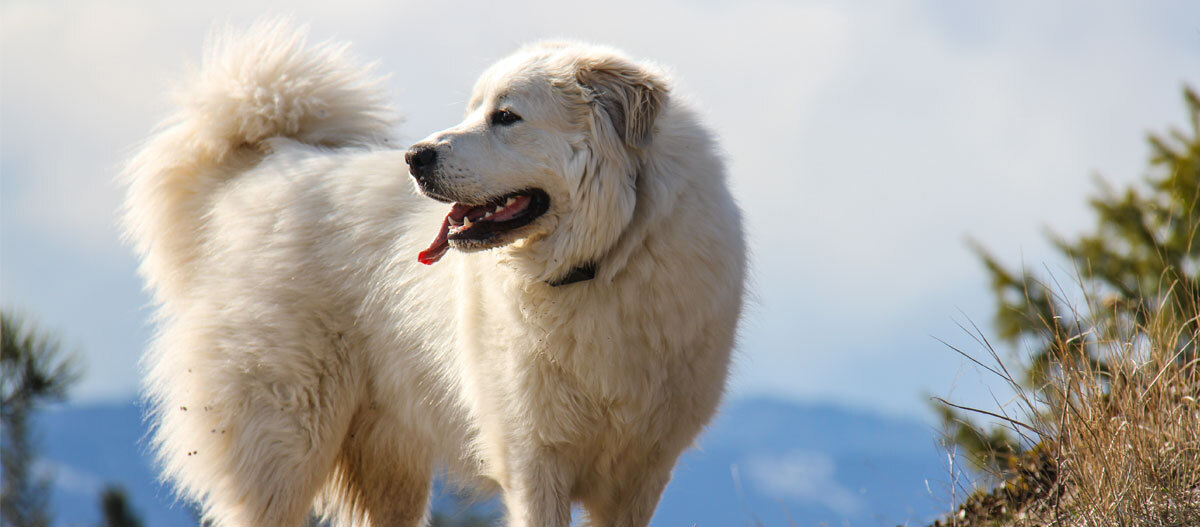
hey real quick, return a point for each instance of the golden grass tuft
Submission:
(1115, 428)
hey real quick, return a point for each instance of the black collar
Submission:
(581, 273)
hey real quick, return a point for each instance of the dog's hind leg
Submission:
(278, 463)
(251, 439)
(383, 476)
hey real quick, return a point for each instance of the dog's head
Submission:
(548, 154)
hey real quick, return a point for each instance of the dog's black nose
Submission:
(421, 159)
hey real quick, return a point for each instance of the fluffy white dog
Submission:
(568, 349)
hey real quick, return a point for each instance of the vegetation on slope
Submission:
(1108, 426)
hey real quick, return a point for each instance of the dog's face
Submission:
(548, 153)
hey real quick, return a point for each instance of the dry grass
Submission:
(1130, 437)
(1116, 427)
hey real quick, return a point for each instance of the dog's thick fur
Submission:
(304, 357)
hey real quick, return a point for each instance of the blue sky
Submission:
(866, 140)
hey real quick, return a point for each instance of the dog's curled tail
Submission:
(268, 82)
(253, 85)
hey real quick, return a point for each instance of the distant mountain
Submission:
(779, 464)
(762, 462)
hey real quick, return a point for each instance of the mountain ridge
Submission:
(762, 461)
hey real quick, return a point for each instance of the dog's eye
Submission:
(503, 118)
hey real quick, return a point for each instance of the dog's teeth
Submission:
(466, 223)
(509, 202)
(488, 215)
(497, 209)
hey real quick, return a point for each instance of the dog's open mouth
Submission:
(482, 225)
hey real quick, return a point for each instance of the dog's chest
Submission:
(572, 365)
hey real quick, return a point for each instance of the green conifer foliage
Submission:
(1141, 261)
(33, 371)
(116, 509)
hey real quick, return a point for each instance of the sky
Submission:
(867, 142)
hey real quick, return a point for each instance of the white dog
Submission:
(568, 349)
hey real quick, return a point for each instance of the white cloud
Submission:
(931, 133)
(802, 475)
(69, 479)
(865, 141)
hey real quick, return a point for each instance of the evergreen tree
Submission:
(33, 371)
(1142, 262)
(116, 509)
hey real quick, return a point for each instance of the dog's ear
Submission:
(630, 95)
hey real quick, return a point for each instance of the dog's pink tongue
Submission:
(438, 248)
(441, 244)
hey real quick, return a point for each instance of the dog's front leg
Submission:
(538, 487)
(630, 494)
